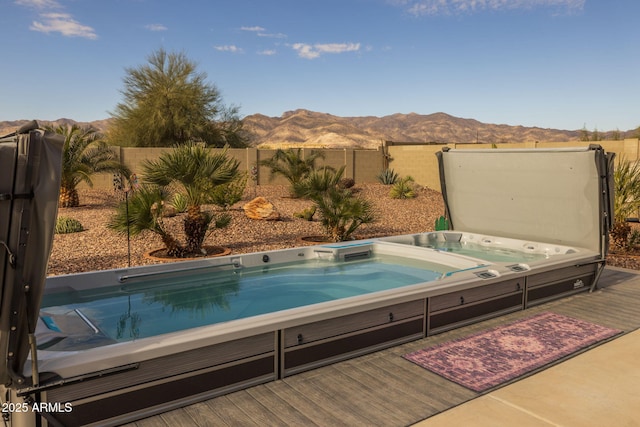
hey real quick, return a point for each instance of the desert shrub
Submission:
(306, 214)
(65, 225)
(229, 194)
(405, 188)
(387, 177)
(634, 238)
(626, 179)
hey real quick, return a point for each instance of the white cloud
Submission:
(228, 48)
(255, 29)
(314, 51)
(39, 4)
(52, 20)
(64, 24)
(273, 35)
(267, 52)
(261, 32)
(447, 7)
(156, 27)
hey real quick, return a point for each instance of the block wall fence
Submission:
(417, 160)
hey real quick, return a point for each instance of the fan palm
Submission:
(290, 164)
(341, 212)
(84, 154)
(195, 172)
(318, 182)
(144, 211)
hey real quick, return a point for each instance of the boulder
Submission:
(261, 208)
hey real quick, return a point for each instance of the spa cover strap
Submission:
(4, 197)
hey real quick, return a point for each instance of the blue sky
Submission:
(562, 64)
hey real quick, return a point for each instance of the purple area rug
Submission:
(500, 354)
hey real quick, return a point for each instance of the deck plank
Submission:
(383, 388)
(304, 401)
(434, 393)
(320, 405)
(229, 409)
(355, 395)
(198, 414)
(279, 407)
(414, 400)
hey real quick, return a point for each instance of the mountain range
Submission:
(314, 129)
(325, 130)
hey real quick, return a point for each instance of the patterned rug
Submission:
(500, 354)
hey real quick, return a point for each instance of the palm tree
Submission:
(290, 164)
(84, 154)
(196, 172)
(318, 182)
(341, 213)
(144, 211)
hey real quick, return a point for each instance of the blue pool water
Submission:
(162, 305)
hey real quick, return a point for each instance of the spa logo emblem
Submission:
(578, 284)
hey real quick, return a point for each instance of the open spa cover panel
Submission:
(561, 196)
(30, 163)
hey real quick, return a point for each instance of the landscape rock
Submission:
(261, 208)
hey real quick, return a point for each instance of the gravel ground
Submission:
(99, 248)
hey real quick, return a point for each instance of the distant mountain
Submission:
(310, 128)
(313, 129)
(11, 126)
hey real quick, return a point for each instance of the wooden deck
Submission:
(382, 388)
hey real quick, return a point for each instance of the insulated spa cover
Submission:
(562, 196)
(30, 162)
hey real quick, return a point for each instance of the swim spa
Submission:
(124, 344)
(146, 305)
(269, 317)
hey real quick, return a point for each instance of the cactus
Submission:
(66, 225)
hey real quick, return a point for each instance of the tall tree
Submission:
(167, 102)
